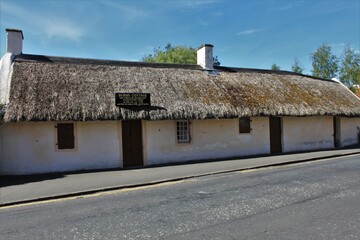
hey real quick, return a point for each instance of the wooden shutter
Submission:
(244, 125)
(65, 136)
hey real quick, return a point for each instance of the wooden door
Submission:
(275, 135)
(132, 143)
(336, 124)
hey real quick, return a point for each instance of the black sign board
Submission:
(132, 99)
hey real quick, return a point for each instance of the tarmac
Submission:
(15, 190)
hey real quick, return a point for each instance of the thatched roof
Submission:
(53, 88)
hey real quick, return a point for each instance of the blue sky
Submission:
(245, 33)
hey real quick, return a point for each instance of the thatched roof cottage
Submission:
(65, 114)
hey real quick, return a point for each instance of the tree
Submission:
(350, 67)
(297, 67)
(275, 67)
(324, 63)
(177, 54)
(216, 61)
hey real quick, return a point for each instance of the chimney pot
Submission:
(14, 41)
(205, 56)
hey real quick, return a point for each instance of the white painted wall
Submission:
(307, 133)
(211, 139)
(5, 76)
(14, 41)
(349, 131)
(205, 56)
(28, 148)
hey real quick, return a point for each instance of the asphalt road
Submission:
(315, 200)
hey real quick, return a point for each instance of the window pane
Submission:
(182, 132)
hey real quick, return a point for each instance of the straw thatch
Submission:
(51, 88)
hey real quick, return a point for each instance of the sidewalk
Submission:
(23, 189)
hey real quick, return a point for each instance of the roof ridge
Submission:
(94, 61)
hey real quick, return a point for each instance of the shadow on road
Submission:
(6, 181)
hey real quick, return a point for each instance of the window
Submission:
(65, 136)
(183, 131)
(244, 125)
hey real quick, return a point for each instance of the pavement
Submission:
(26, 189)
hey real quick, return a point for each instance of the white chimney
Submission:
(14, 41)
(205, 56)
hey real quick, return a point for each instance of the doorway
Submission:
(337, 139)
(132, 143)
(275, 135)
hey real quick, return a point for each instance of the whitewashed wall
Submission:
(349, 131)
(5, 76)
(28, 148)
(307, 133)
(211, 139)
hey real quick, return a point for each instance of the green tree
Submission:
(350, 67)
(177, 54)
(275, 67)
(324, 63)
(216, 61)
(297, 67)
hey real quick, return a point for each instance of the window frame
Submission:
(74, 131)
(187, 131)
(247, 129)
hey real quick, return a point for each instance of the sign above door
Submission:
(132, 99)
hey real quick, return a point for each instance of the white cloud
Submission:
(331, 7)
(194, 3)
(49, 26)
(249, 31)
(127, 12)
(183, 4)
(283, 8)
(287, 7)
(63, 29)
(218, 14)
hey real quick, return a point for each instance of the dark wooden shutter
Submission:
(65, 136)
(244, 125)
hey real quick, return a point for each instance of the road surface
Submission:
(315, 200)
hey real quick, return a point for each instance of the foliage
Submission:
(297, 67)
(350, 67)
(324, 63)
(216, 61)
(176, 54)
(275, 67)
